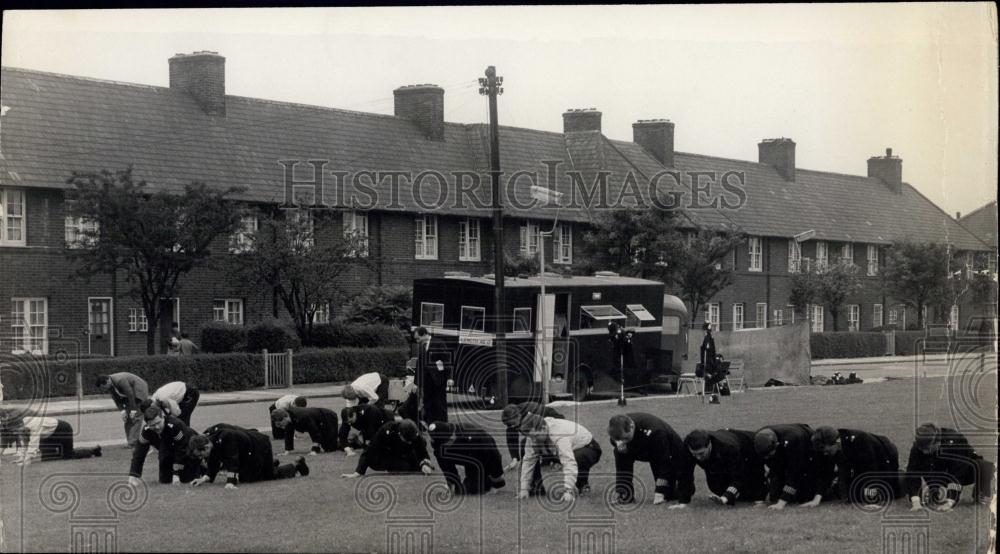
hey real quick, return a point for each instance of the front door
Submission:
(543, 350)
(169, 324)
(99, 326)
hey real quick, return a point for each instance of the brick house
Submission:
(416, 226)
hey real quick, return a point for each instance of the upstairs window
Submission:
(872, 260)
(356, 227)
(12, 227)
(530, 238)
(426, 237)
(468, 240)
(794, 256)
(847, 253)
(80, 232)
(755, 253)
(822, 255)
(242, 240)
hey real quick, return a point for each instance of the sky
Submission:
(843, 81)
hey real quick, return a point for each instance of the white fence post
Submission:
(289, 384)
(267, 377)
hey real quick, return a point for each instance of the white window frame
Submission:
(970, 265)
(230, 311)
(431, 324)
(854, 317)
(794, 256)
(847, 253)
(137, 322)
(6, 193)
(469, 240)
(242, 239)
(295, 216)
(426, 237)
(822, 255)
(74, 228)
(878, 315)
(779, 317)
(791, 311)
(530, 239)
(480, 321)
(712, 310)
(562, 245)
(321, 314)
(872, 260)
(761, 314)
(739, 316)
(22, 310)
(817, 318)
(755, 253)
(356, 225)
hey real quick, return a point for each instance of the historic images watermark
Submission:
(309, 183)
(31, 376)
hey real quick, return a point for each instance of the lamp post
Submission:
(548, 196)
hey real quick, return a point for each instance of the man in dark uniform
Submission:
(472, 448)
(433, 376)
(243, 456)
(845, 456)
(169, 435)
(363, 422)
(647, 438)
(787, 452)
(732, 468)
(512, 416)
(943, 457)
(320, 423)
(397, 447)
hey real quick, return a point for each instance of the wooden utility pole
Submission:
(491, 86)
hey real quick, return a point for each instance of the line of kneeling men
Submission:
(783, 464)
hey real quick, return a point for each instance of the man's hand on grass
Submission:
(720, 500)
(354, 475)
(230, 486)
(812, 503)
(199, 481)
(175, 480)
(677, 506)
(779, 505)
(947, 506)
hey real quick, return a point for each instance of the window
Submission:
(228, 310)
(894, 315)
(356, 226)
(794, 256)
(853, 317)
(29, 325)
(637, 314)
(822, 255)
(762, 315)
(712, 316)
(597, 317)
(816, 313)
(754, 251)
(473, 319)
(301, 227)
(11, 217)
(671, 325)
(877, 315)
(953, 318)
(80, 233)
(426, 237)
(562, 245)
(847, 253)
(791, 313)
(137, 322)
(99, 317)
(321, 314)
(242, 240)
(468, 240)
(431, 314)
(531, 237)
(779, 317)
(872, 259)
(738, 317)
(970, 265)
(522, 320)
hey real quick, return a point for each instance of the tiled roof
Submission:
(57, 124)
(982, 222)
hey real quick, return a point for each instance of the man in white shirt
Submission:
(571, 442)
(371, 388)
(177, 399)
(47, 438)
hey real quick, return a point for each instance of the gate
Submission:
(277, 370)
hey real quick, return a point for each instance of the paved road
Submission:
(912, 369)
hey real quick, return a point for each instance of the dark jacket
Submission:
(792, 467)
(860, 453)
(471, 447)
(171, 443)
(733, 469)
(368, 418)
(432, 382)
(245, 452)
(389, 452)
(657, 443)
(955, 463)
(320, 423)
(128, 390)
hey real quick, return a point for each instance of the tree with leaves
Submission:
(699, 267)
(389, 305)
(916, 274)
(638, 242)
(303, 260)
(152, 237)
(828, 286)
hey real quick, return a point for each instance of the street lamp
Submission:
(547, 196)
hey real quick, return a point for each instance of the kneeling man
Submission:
(243, 456)
(472, 448)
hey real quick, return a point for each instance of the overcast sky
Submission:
(843, 81)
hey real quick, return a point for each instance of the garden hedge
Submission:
(339, 334)
(846, 345)
(26, 377)
(220, 338)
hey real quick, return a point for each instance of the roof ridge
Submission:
(81, 77)
(947, 218)
(977, 210)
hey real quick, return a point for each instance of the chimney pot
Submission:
(423, 105)
(779, 153)
(657, 137)
(202, 75)
(888, 169)
(588, 119)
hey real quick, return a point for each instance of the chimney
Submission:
(958, 215)
(780, 153)
(587, 119)
(657, 137)
(424, 106)
(889, 169)
(203, 76)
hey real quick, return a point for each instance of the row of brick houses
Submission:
(192, 130)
